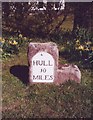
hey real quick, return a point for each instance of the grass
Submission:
(21, 100)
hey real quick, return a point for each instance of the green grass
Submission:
(69, 100)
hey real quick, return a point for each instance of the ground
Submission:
(21, 100)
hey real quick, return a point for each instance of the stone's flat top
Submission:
(37, 43)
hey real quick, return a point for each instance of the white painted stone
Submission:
(42, 67)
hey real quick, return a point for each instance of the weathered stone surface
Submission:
(47, 48)
(68, 72)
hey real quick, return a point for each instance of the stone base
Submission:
(68, 72)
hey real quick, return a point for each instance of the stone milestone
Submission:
(44, 67)
(43, 62)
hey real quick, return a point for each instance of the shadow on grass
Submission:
(21, 72)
